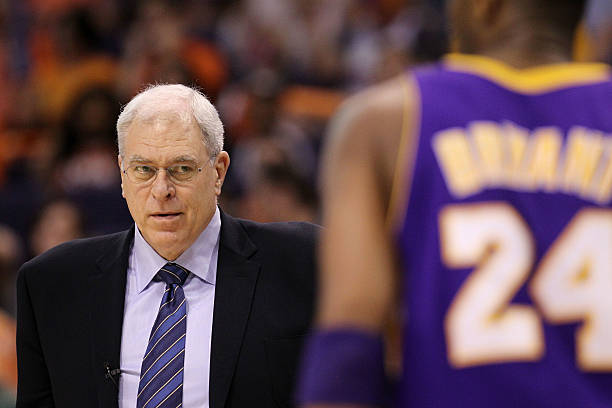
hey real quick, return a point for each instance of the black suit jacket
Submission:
(70, 316)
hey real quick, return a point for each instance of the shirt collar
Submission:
(197, 258)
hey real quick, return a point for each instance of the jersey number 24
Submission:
(573, 282)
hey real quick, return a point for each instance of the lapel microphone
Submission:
(111, 373)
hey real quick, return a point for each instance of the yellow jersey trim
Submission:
(540, 79)
(401, 187)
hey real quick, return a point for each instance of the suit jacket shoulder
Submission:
(282, 237)
(64, 258)
(280, 261)
(69, 315)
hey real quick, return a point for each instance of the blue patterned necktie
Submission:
(161, 374)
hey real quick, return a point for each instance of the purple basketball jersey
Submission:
(506, 243)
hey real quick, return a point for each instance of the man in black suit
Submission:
(190, 306)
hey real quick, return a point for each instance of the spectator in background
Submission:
(11, 256)
(11, 253)
(59, 221)
(67, 60)
(162, 46)
(279, 193)
(8, 360)
(86, 161)
(270, 136)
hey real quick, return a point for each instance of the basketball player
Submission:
(472, 199)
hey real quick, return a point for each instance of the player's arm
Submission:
(344, 361)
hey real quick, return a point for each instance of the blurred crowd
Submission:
(276, 70)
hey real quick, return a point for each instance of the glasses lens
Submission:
(182, 172)
(140, 173)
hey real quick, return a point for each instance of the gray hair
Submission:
(187, 103)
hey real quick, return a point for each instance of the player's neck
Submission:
(525, 51)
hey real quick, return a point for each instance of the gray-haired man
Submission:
(190, 307)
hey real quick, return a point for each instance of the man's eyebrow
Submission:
(138, 159)
(180, 159)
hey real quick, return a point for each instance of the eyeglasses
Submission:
(144, 173)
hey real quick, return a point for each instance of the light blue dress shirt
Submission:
(142, 300)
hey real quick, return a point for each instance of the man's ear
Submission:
(119, 163)
(221, 164)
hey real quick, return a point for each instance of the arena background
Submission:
(275, 69)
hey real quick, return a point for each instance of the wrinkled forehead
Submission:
(172, 118)
(164, 134)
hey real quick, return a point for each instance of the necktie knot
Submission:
(172, 274)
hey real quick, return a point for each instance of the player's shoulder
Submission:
(383, 95)
(388, 99)
(376, 113)
(373, 129)
(76, 254)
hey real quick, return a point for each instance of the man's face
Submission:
(171, 215)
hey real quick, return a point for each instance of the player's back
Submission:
(507, 239)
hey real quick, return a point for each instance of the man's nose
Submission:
(162, 188)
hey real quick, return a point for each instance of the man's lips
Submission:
(166, 215)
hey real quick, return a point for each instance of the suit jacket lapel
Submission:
(235, 285)
(107, 296)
